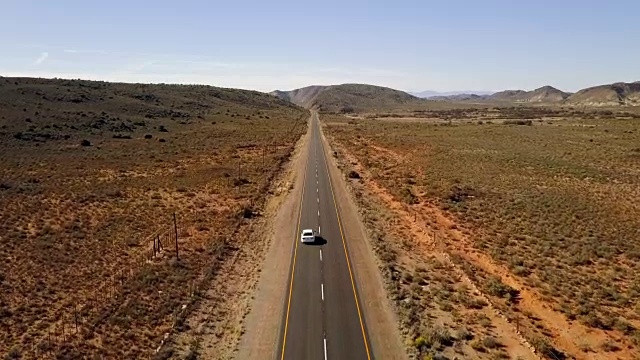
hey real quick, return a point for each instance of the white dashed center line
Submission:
(322, 291)
(320, 254)
(325, 348)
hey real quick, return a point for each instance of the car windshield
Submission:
(307, 233)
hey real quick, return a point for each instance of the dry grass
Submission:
(439, 311)
(89, 170)
(554, 203)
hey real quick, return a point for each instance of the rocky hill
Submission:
(607, 95)
(545, 94)
(347, 98)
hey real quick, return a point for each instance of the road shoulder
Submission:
(261, 329)
(382, 330)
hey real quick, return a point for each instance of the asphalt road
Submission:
(323, 319)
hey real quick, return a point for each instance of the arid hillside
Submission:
(347, 98)
(304, 97)
(608, 95)
(91, 175)
(545, 94)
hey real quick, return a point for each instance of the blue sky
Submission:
(266, 45)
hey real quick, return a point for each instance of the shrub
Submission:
(496, 287)
(14, 353)
(148, 136)
(248, 213)
(464, 334)
(543, 346)
(459, 194)
(420, 342)
(240, 181)
(477, 345)
(584, 347)
(407, 277)
(354, 175)
(409, 197)
(609, 346)
(518, 122)
(623, 326)
(85, 143)
(439, 335)
(490, 342)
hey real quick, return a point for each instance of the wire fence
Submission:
(76, 322)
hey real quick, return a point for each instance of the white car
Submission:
(307, 236)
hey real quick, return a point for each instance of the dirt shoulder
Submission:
(261, 328)
(240, 314)
(379, 316)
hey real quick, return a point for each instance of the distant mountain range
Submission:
(602, 95)
(349, 98)
(429, 94)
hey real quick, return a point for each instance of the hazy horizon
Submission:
(411, 45)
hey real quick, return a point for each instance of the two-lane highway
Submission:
(323, 319)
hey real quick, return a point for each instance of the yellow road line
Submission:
(344, 245)
(295, 253)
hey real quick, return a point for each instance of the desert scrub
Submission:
(84, 188)
(554, 203)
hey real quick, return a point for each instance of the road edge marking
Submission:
(293, 264)
(346, 254)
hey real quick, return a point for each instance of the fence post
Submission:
(175, 227)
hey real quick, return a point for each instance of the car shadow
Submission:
(319, 241)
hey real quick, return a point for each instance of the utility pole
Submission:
(175, 227)
(264, 150)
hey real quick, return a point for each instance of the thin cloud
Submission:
(75, 51)
(41, 58)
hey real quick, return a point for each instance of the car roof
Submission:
(307, 231)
